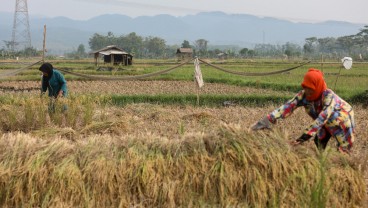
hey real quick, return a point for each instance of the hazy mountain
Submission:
(64, 34)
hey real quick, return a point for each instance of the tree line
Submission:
(355, 46)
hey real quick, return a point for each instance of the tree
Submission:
(186, 44)
(244, 52)
(81, 51)
(362, 39)
(310, 45)
(346, 43)
(252, 53)
(8, 44)
(98, 41)
(268, 50)
(132, 43)
(155, 46)
(291, 49)
(201, 46)
(29, 52)
(326, 45)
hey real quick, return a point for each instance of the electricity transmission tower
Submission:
(21, 36)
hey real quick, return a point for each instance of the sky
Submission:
(354, 11)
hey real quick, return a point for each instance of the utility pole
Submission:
(21, 36)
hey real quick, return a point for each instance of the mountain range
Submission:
(242, 30)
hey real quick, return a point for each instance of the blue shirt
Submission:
(56, 83)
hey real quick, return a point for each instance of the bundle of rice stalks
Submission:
(227, 167)
(106, 127)
(55, 132)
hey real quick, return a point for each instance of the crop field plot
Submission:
(163, 142)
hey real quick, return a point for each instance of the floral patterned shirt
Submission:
(329, 111)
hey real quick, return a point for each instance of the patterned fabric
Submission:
(329, 111)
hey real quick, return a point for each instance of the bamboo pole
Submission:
(322, 62)
(198, 91)
(44, 44)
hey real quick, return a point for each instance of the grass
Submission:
(204, 100)
(350, 83)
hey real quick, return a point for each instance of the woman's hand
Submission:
(301, 139)
(60, 94)
(264, 123)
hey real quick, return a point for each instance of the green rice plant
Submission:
(181, 128)
(205, 100)
(320, 191)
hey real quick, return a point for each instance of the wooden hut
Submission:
(184, 53)
(113, 55)
(222, 56)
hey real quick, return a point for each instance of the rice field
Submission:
(102, 153)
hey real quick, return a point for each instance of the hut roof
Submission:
(112, 49)
(184, 50)
(109, 52)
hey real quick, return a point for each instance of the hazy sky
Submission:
(354, 11)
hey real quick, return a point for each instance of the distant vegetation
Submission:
(156, 48)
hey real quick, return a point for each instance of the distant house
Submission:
(222, 56)
(184, 53)
(113, 55)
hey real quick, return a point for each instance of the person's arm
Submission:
(63, 88)
(320, 121)
(287, 109)
(44, 85)
(282, 112)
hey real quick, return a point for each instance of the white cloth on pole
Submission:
(198, 73)
(347, 62)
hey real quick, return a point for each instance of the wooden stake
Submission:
(44, 43)
(198, 91)
(322, 62)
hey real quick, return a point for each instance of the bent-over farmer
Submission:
(53, 82)
(332, 116)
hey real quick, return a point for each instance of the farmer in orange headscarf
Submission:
(332, 115)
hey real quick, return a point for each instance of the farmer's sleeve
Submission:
(287, 109)
(43, 85)
(62, 82)
(328, 109)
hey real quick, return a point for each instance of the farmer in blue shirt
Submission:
(54, 82)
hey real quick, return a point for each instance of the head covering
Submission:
(47, 68)
(314, 80)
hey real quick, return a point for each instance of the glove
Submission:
(303, 138)
(264, 123)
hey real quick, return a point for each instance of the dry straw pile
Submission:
(147, 155)
(227, 167)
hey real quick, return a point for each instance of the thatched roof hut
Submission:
(184, 53)
(114, 55)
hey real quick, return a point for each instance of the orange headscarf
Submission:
(313, 79)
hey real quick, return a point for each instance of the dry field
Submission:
(148, 123)
(135, 88)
